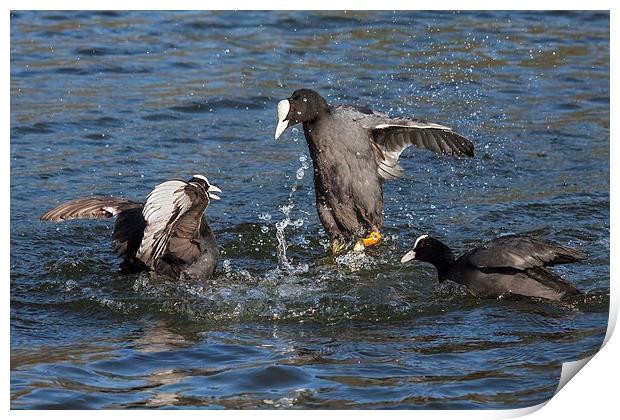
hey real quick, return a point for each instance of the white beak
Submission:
(408, 257)
(213, 189)
(283, 107)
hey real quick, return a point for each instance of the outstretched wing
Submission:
(129, 223)
(521, 253)
(90, 208)
(173, 211)
(128, 231)
(391, 136)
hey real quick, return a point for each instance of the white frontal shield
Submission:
(408, 257)
(283, 107)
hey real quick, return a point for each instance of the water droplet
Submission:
(264, 229)
(300, 173)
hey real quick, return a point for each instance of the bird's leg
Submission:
(339, 242)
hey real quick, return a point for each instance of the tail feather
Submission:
(566, 254)
(553, 281)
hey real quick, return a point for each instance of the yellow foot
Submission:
(338, 245)
(373, 239)
(359, 246)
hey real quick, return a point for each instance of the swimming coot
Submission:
(353, 151)
(513, 264)
(168, 235)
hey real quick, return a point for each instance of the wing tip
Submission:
(47, 217)
(57, 214)
(576, 254)
(464, 146)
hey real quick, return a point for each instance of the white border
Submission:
(310, 5)
(592, 395)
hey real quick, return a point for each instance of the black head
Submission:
(431, 250)
(204, 183)
(303, 105)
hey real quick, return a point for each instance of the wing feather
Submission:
(129, 223)
(393, 135)
(522, 252)
(89, 208)
(172, 213)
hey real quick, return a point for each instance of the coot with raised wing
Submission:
(169, 234)
(353, 151)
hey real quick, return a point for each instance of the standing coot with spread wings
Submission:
(353, 151)
(168, 235)
(512, 264)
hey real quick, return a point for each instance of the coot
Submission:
(513, 264)
(353, 150)
(168, 235)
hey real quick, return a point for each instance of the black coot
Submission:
(511, 264)
(353, 151)
(168, 235)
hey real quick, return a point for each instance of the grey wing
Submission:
(521, 253)
(391, 136)
(184, 243)
(90, 208)
(128, 231)
(129, 225)
(551, 280)
(171, 210)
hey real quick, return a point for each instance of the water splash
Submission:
(266, 217)
(355, 261)
(280, 226)
(283, 261)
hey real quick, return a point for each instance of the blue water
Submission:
(117, 102)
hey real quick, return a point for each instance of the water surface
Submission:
(117, 102)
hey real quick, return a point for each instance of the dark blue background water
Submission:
(117, 102)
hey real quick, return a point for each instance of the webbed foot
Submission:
(372, 239)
